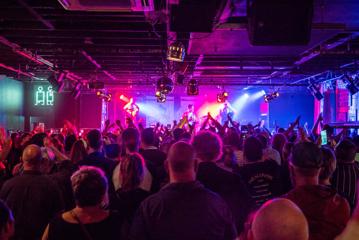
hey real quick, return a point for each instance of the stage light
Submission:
(314, 90)
(192, 87)
(161, 98)
(176, 52)
(76, 91)
(164, 85)
(257, 95)
(222, 97)
(350, 85)
(271, 96)
(103, 95)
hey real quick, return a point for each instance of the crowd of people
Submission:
(214, 181)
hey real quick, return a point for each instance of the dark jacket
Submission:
(34, 200)
(230, 187)
(183, 211)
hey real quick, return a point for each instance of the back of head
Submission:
(307, 159)
(278, 141)
(69, 141)
(263, 140)
(345, 151)
(208, 146)
(131, 171)
(131, 139)
(279, 219)
(6, 219)
(329, 163)
(181, 158)
(177, 133)
(94, 139)
(78, 151)
(89, 186)
(252, 150)
(113, 151)
(38, 139)
(32, 157)
(148, 136)
(232, 138)
(287, 149)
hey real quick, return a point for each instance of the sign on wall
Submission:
(43, 95)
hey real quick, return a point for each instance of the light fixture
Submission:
(103, 95)
(164, 85)
(222, 97)
(315, 91)
(192, 87)
(350, 85)
(161, 98)
(176, 52)
(271, 96)
(57, 81)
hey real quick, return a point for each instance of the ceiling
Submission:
(122, 48)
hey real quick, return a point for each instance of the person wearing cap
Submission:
(327, 212)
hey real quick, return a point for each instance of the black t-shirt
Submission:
(183, 211)
(128, 202)
(34, 200)
(230, 187)
(154, 159)
(263, 180)
(109, 229)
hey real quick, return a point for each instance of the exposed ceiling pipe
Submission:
(97, 65)
(38, 17)
(18, 71)
(323, 47)
(27, 54)
(282, 68)
(34, 58)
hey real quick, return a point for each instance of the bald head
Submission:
(31, 157)
(181, 159)
(279, 219)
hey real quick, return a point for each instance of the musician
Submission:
(190, 115)
(226, 111)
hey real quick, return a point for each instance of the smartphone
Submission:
(324, 136)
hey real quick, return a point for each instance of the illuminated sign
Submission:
(44, 95)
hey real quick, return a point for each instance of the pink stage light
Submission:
(124, 98)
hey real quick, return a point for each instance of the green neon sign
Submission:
(44, 95)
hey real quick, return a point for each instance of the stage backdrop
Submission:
(289, 105)
(248, 103)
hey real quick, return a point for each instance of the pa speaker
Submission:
(279, 22)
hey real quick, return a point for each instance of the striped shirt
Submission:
(345, 179)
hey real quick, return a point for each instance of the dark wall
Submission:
(11, 103)
(289, 105)
(84, 112)
(90, 111)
